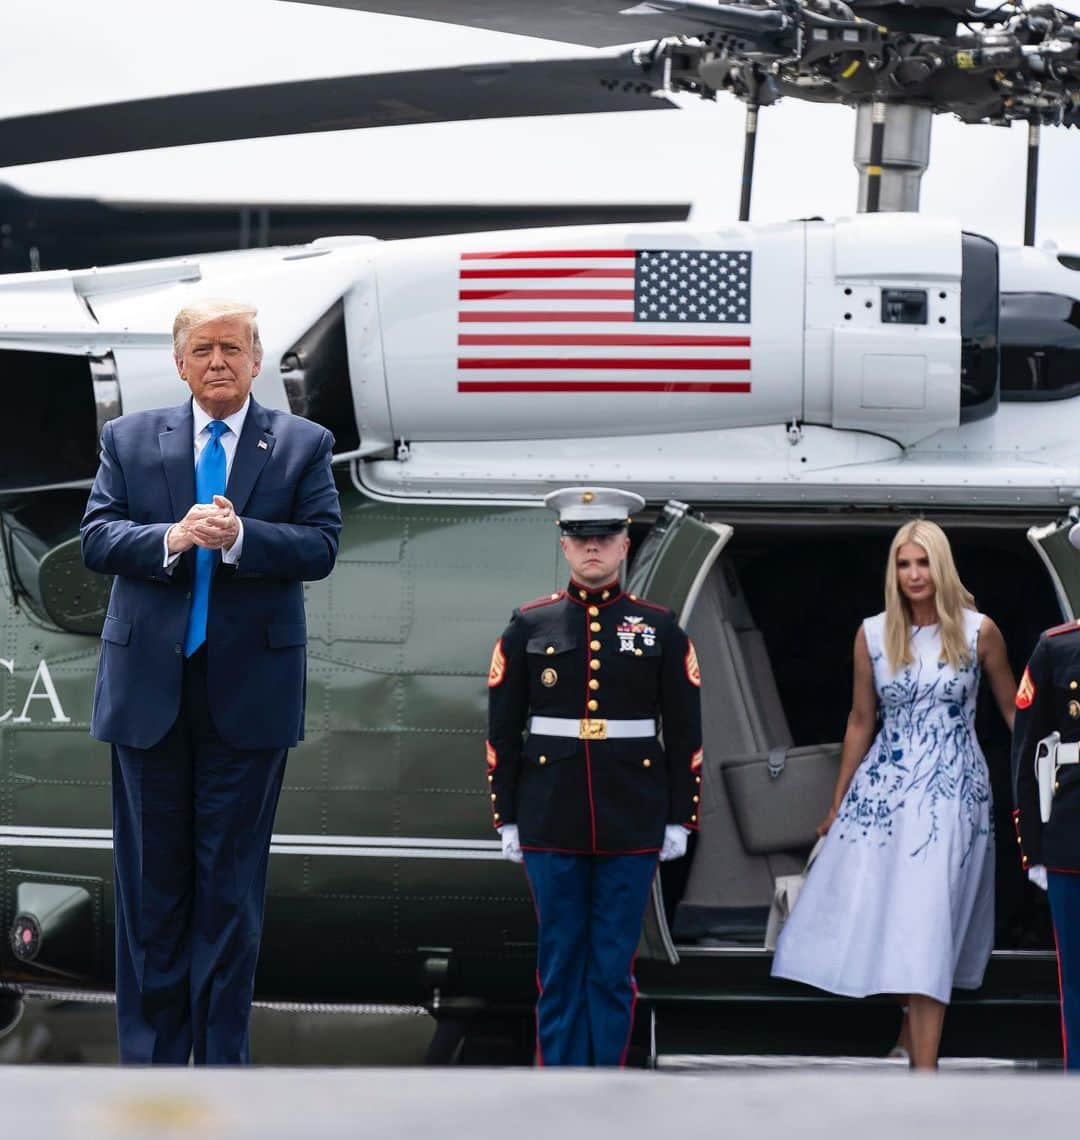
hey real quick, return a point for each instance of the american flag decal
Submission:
(584, 320)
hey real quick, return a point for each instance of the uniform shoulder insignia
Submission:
(693, 672)
(1026, 693)
(546, 600)
(497, 669)
(1065, 627)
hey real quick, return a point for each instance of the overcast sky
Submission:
(61, 53)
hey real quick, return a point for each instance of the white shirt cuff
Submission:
(170, 559)
(232, 556)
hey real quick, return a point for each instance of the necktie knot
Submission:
(217, 429)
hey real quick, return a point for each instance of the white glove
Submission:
(508, 833)
(1037, 875)
(674, 847)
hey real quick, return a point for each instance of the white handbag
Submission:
(785, 895)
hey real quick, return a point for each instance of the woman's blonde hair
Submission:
(950, 597)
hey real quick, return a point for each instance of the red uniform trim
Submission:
(652, 605)
(1061, 1002)
(1065, 627)
(588, 756)
(594, 601)
(547, 600)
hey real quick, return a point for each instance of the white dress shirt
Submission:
(229, 440)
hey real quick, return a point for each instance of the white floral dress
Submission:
(901, 897)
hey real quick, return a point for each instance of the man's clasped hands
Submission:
(213, 526)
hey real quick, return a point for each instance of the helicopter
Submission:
(826, 380)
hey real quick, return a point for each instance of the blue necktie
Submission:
(209, 481)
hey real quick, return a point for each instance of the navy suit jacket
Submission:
(282, 487)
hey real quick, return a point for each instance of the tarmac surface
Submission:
(92, 1103)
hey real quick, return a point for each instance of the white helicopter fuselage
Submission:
(806, 361)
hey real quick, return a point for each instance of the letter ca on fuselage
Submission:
(41, 689)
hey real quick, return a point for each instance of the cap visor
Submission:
(584, 528)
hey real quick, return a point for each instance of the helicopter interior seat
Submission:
(729, 887)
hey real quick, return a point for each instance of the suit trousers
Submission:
(192, 822)
(1064, 892)
(589, 909)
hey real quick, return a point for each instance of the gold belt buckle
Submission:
(595, 729)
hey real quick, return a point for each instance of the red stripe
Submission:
(467, 274)
(492, 316)
(599, 386)
(651, 339)
(639, 364)
(546, 295)
(550, 253)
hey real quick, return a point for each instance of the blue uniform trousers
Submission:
(192, 821)
(1064, 892)
(589, 909)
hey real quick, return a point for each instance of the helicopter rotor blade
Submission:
(617, 82)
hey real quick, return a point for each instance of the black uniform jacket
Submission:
(594, 655)
(1048, 699)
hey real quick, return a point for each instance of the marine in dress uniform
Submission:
(581, 682)
(1048, 700)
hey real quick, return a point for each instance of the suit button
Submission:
(594, 645)
(178, 648)
(593, 706)
(543, 759)
(646, 763)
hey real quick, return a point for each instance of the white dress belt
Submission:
(584, 729)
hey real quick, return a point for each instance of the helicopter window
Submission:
(1070, 261)
(1040, 346)
(316, 375)
(47, 396)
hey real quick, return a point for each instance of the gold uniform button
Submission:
(595, 627)
(638, 652)
(594, 684)
(632, 597)
(583, 594)
(493, 797)
(593, 706)
(550, 649)
(491, 778)
(497, 816)
(1074, 684)
(693, 818)
(554, 596)
(1057, 786)
(543, 759)
(1018, 839)
(594, 664)
(646, 763)
(594, 645)
(593, 611)
(697, 799)
(605, 595)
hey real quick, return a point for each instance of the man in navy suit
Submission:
(210, 515)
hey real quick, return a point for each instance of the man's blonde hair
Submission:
(951, 598)
(214, 309)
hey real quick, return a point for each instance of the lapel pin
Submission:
(262, 444)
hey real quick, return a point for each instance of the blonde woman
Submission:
(901, 897)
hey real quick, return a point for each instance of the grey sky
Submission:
(66, 52)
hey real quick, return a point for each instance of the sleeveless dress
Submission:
(901, 897)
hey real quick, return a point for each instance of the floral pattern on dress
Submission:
(925, 758)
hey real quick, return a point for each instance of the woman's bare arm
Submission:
(861, 725)
(995, 664)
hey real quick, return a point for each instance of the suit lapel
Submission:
(253, 449)
(178, 457)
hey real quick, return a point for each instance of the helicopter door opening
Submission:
(773, 618)
(670, 568)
